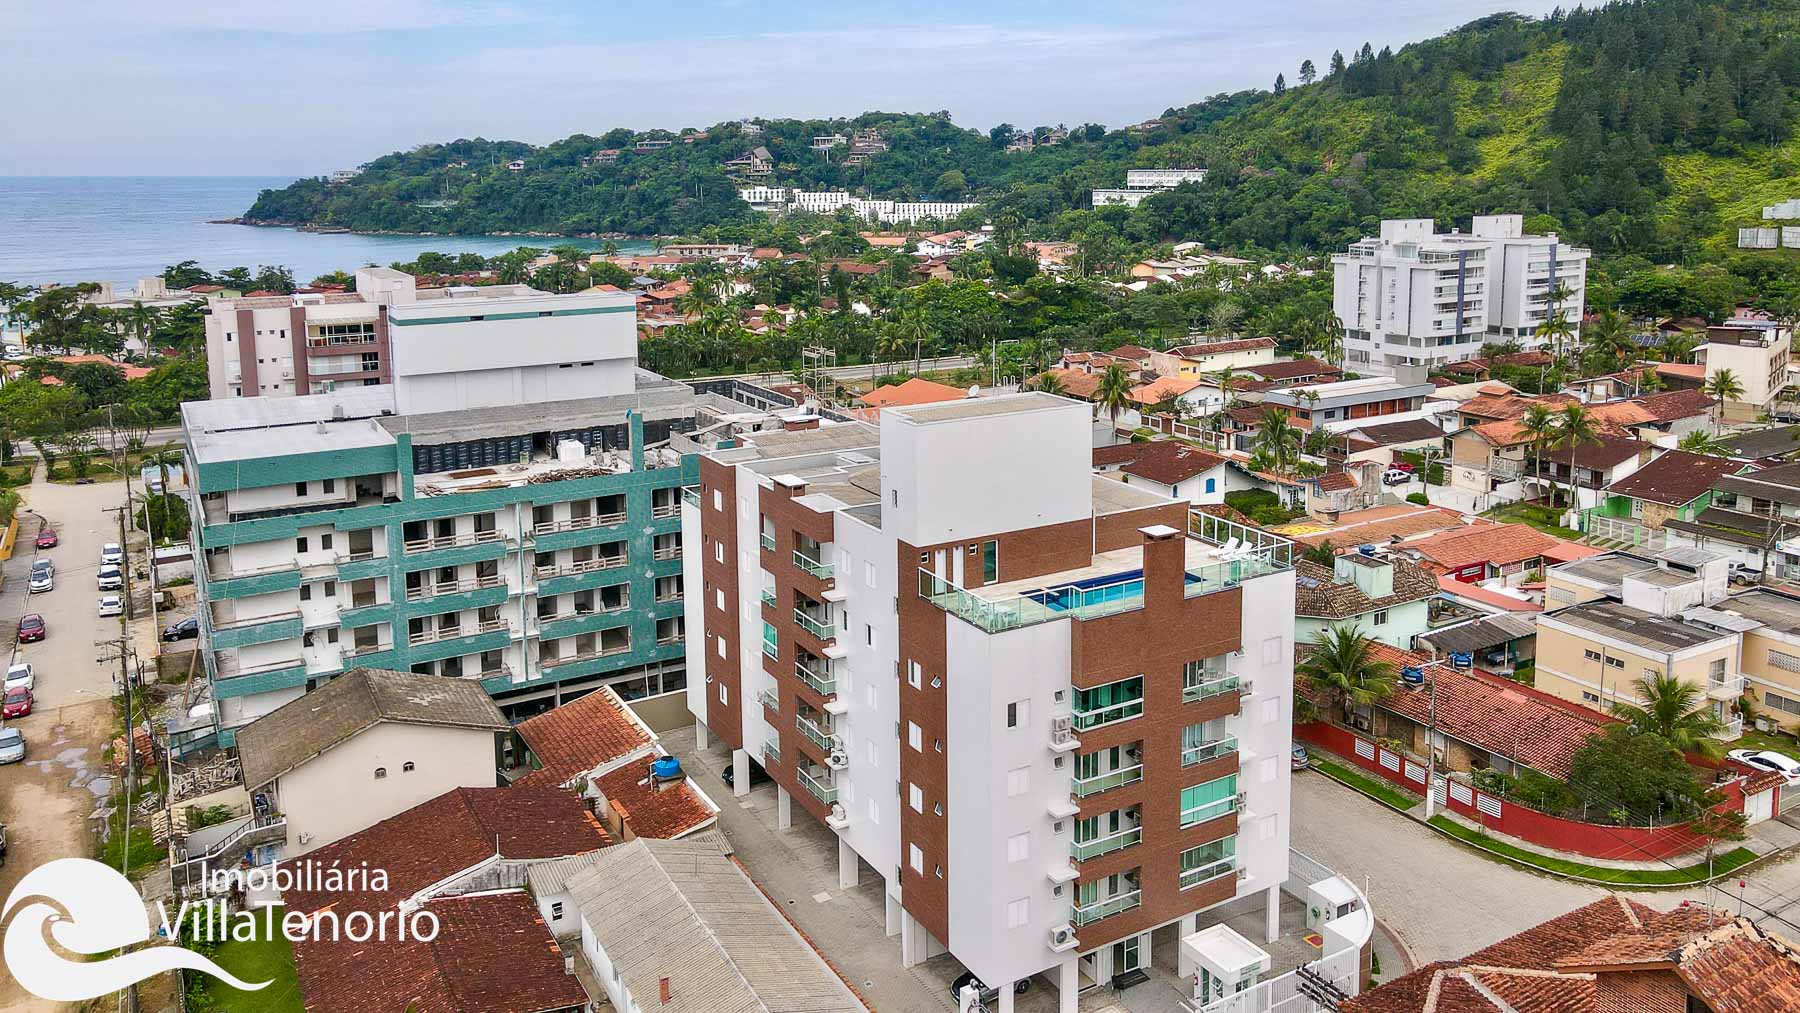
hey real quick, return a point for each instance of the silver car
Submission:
(12, 745)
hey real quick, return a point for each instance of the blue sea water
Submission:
(119, 229)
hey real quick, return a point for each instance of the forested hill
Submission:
(1653, 128)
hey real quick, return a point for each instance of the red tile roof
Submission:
(1677, 404)
(1685, 370)
(1130, 352)
(580, 735)
(915, 391)
(1495, 599)
(1502, 545)
(492, 954)
(1382, 524)
(1294, 369)
(1217, 347)
(1170, 461)
(1336, 481)
(1511, 406)
(1163, 387)
(1677, 478)
(652, 808)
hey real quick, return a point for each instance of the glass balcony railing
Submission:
(1085, 786)
(768, 596)
(768, 542)
(768, 698)
(1191, 878)
(771, 752)
(822, 683)
(1208, 751)
(817, 736)
(1208, 811)
(1118, 841)
(1210, 688)
(821, 790)
(1086, 914)
(812, 566)
(824, 631)
(1107, 715)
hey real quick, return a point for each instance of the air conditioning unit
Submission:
(837, 760)
(305, 838)
(1061, 936)
(839, 814)
(1243, 797)
(837, 743)
(1061, 723)
(1246, 687)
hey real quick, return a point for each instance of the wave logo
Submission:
(88, 908)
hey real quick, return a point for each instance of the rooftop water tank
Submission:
(1412, 675)
(666, 768)
(1462, 659)
(1366, 549)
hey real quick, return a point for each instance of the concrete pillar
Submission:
(740, 773)
(1273, 905)
(700, 742)
(1144, 950)
(784, 809)
(1184, 965)
(1068, 985)
(1006, 997)
(849, 865)
(893, 911)
(912, 940)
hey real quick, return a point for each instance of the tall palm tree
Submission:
(1227, 380)
(1049, 383)
(1723, 386)
(1574, 427)
(1555, 329)
(1114, 393)
(1343, 668)
(1278, 441)
(1539, 422)
(1676, 711)
(913, 327)
(1677, 347)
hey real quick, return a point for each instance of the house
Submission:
(1341, 405)
(515, 165)
(1494, 598)
(1481, 367)
(367, 745)
(1135, 355)
(1501, 643)
(1213, 355)
(757, 162)
(1477, 554)
(1591, 467)
(1379, 526)
(1507, 406)
(598, 747)
(1295, 371)
(1764, 446)
(1184, 391)
(1411, 434)
(678, 927)
(914, 391)
(1382, 596)
(462, 856)
(1752, 518)
(1756, 354)
(1677, 485)
(1610, 956)
(1169, 468)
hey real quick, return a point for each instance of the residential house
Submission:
(1612, 955)
(1213, 355)
(464, 857)
(678, 927)
(1506, 551)
(1411, 434)
(597, 747)
(1495, 598)
(1136, 356)
(1756, 355)
(365, 746)
(1754, 519)
(1380, 595)
(1481, 367)
(1505, 407)
(1500, 643)
(1764, 446)
(1295, 371)
(1591, 467)
(1380, 525)
(1185, 392)
(1170, 468)
(915, 391)
(1675, 486)
(1343, 405)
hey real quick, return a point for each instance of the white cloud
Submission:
(277, 17)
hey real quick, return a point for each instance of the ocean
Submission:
(119, 229)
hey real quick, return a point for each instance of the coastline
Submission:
(333, 230)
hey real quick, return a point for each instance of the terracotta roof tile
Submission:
(1494, 599)
(581, 735)
(1674, 479)
(1502, 544)
(1130, 352)
(915, 391)
(1511, 406)
(1336, 481)
(1163, 387)
(1170, 461)
(1382, 524)
(1218, 347)
(1294, 369)
(1319, 594)
(655, 809)
(1677, 404)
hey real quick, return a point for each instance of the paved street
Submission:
(47, 801)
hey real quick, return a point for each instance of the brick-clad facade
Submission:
(789, 520)
(718, 503)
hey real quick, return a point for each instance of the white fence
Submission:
(1319, 985)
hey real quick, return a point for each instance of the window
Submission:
(408, 767)
(330, 589)
(1785, 662)
(1017, 713)
(300, 544)
(325, 540)
(990, 562)
(1717, 672)
(869, 634)
(869, 574)
(380, 773)
(915, 737)
(724, 694)
(1591, 655)
(915, 796)
(1272, 651)
(719, 552)
(328, 486)
(1212, 485)
(914, 674)
(1590, 697)
(1115, 701)
(915, 858)
(1018, 847)
(299, 488)
(1651, 673)
(718, 500)
(1778, 702)
(874, 812)
(1018, 781)
(872, 750)
(1616, 662)
(1018, 913)
(1381, 618)
(556, 910)
(1207, 801)
(306, 592)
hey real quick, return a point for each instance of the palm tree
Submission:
(1343, 668)
(1324, 553)
(1539, 422)
(1555, 329)
(1676, 711)
(1114, 393)
(1574, 427)
(1227, 379)
(1049, 383)
(1702, 442)
(1677, 347)
(1277, 441)
(1723, 386)
(142, 321)
(913, 327)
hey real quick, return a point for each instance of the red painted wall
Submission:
(1592, 840)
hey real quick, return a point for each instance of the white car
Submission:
(112, 605)
(41, 581)
(21, 675)
(111, 554)
(12, 745)
(1394, 476)
(1768, 759)
(110, 579)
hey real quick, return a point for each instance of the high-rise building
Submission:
(1416, 297)
(1051, 710)
(503, 510)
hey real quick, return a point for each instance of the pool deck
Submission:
(1104, 564)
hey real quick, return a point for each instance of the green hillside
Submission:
(1652, 128)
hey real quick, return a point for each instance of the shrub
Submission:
(1419, 498)
(1270, 515)
(1245, 501)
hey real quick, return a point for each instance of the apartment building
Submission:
(1050, 710)
(826, 202)
(1142, 184)
(501, 511)
(1346, 404)
(1756, 354)
(1414, 297)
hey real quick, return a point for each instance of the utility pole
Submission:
(1431, 757)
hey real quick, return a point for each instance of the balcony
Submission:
(817, 783)
(1081, 851)
(821, 630)
(580, 566)
(454, 632)
(1085, 786)
(1125, 710)
(669, 509)
(823, 684)
(768, 597)
(1210, 688)
(822, 571)
(771, 752)
(768, 542)
(690, 496)
(666, 553)
(453, 541)
(1191, 878)
(578, 523)
(665, 639)
(817, 736)
(769, 700)
(1726, 689)
(424, 591)
(1087, 914)
(1208, 751)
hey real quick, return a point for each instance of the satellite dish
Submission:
(975, 390)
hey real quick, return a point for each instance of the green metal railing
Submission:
(824, 631)
(810, 565)
(1085, 786)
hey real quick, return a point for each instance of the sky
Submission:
(301, 87)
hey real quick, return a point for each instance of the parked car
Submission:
(46, 539)
(757, 775)
(110, 578)
(12, 745)
(43, 576)
(1300, 756)
(1768, 759)
(17, 703)
(21, 674)
(1401, 466)
(111, 554)
(186, 629)
(1394, 476)
(112, 605)
(988, 995)
(31, 628)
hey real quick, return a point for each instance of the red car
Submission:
(18, 703)
(46, 539)
(31, 627)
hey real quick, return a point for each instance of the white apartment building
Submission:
(1127, 198)
(1162, 179)
(1050, 710)
(825, 202)
(1415, 297)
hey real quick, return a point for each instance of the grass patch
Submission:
(260, 959)
(1391, 797)
(15, 475)
(1722, 864)
(143, 852)
(1540, 517)
(1779, 742)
